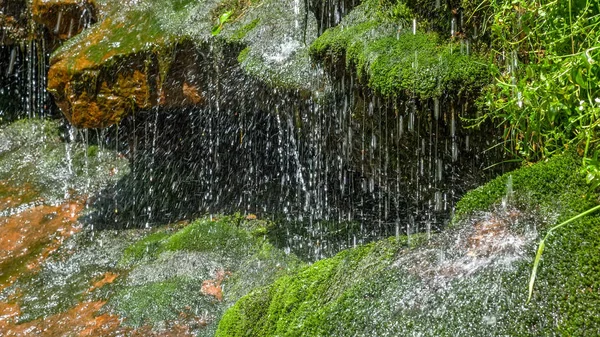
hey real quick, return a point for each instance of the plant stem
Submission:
(540, 250)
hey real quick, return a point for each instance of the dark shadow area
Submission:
(23, 78)
(349, 169)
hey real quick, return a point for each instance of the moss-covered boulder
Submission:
(167, 53)
(394, 50)
(470, 280)
(199, 269)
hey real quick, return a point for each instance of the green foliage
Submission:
(546, 65)
(223, 18)
(229, 11)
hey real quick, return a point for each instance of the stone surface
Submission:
(64, 18)
(13, 21)
(145, 54)
(470, 280)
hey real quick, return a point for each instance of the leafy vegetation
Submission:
(545, 61)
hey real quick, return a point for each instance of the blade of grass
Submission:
(542, 245)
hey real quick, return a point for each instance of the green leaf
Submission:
(579, 80)
(536, 263)
(216, 30)
(542, 245)
(225, 17)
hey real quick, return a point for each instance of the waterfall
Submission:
(345, 169)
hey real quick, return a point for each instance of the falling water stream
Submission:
(324, 169)
(347, 168)
(334, 168)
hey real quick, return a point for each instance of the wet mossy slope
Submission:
(396, 56)
(198, 269)
(470, 280)
(174, 278)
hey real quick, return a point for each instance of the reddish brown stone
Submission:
(64, 18)
(96, 96)
(191, 93)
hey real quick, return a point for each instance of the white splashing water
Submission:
(284, 51)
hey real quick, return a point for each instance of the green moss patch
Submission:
(300, 304)
(207, 235)
(553, 186)
(169, 266)
(148, 246)
(459, 282)
(379, 44)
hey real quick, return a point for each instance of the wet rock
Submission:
(190, 274)
(34, 159)
(13, 21)
(148, 54)
(470, 280)
(64, 18)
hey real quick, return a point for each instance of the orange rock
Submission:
(213, 287)
(107, 278)
(63, 17)
(191, 93)
(30, 237)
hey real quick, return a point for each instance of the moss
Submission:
(243, 55)
(179, 5)
(568, 281)
(392, 60)
(257, 228)
(298, 303)
(147, 247)
(161, 301)
(389, 289)
(208, 235)
(554, 186)
(157, 293)
(92, 151)
(241, 33)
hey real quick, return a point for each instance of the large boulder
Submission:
(468, 281)
(148, 54)
(64, 18)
